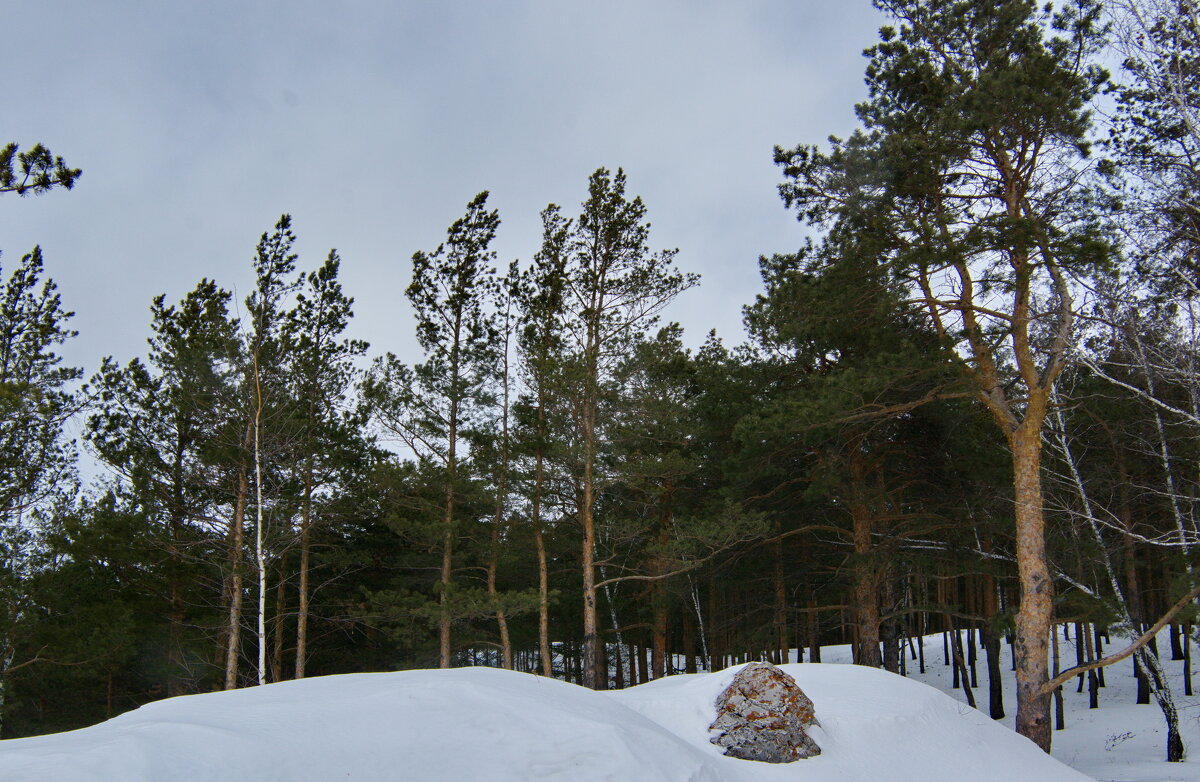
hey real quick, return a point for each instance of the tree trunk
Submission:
(814, 643)
(866, 578)
(175, 619)
(1093, 675)
(544, 652)
(177, 613)
(1079, 651)
(1034, 614)
(591, 630)
(1187, 659)
(991, 648)
(688, 641)
(1059, 718)
(445, 620)
(780, 594)
(280, 623)
(539, 477)
(501, 620)
(260, 556)
(658, 587)
(960, 666)
(233, 627)
(658, 627)
(498, 521)
(302, 597)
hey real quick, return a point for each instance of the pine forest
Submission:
(969, 404)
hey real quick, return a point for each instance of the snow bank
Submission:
(874, 726)
(487, 724)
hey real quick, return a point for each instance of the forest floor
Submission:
(484, 723)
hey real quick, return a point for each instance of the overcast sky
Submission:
(373, 123)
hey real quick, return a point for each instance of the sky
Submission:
(373, 124)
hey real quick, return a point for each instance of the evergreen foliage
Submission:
(968, 404)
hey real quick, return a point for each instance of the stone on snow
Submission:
(762, 715)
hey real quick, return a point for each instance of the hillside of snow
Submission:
(489, 724)
(1121, 741)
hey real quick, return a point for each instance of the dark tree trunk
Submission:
(1079, 645)
(960, 668)
(1059, 719)
(814, 643)
(991, 651)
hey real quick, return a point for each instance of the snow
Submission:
(484, 723)
(874, 725)
(459, 724)
(1119, 742)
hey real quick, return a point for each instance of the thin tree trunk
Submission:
(233, 627)
(814, 643)
(539, 477)
(1059, 719)
(1176, 647)
(177, 613)
(960, 666)
(498, 522)
(1147, 659)
(1187, 660)
(780, 594)
(302, 609)
(1093, 677)
(991, 650)
(260, 557)
(592, 678)
(658, 627)
(445, 576)
(688, 641)
(280, 623)
(501, 620)
(1079, 650)
(866, 577)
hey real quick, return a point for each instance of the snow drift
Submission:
(483, 723)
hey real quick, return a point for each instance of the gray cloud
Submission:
(197, 124)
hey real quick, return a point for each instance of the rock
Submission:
(762, 715)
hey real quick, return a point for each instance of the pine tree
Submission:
(35, 393)
(325, 434)
(614, 288)
(431, 405)
(36, 399)
(540, 298)
(157, 425)
(35, 171)
(849, 370)
(975, 135)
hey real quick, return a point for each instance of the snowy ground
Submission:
(487, 724)
(1119, 742)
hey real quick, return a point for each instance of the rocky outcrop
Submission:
(762, 715)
